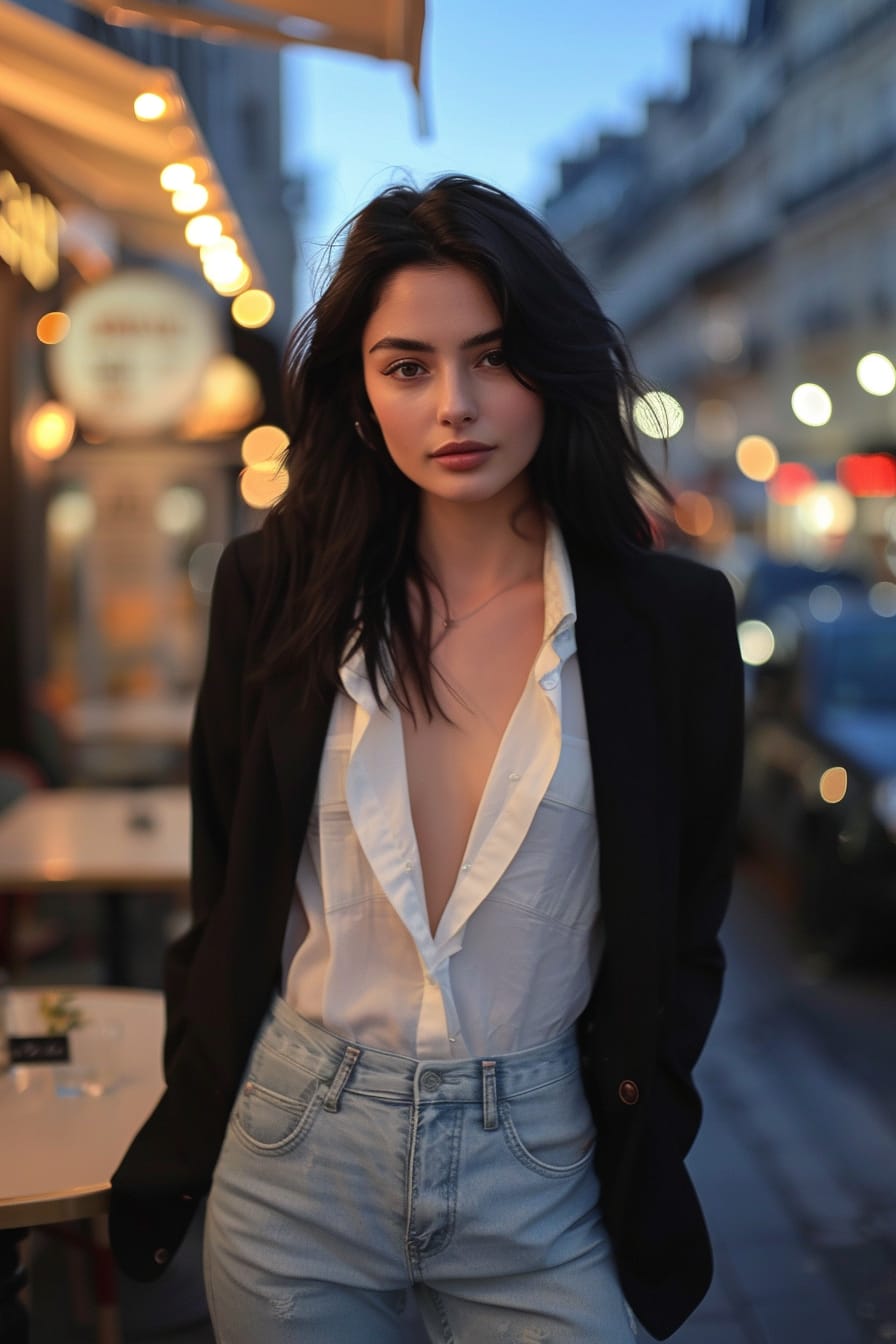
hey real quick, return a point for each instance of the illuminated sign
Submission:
(135, 354)
(29, 232)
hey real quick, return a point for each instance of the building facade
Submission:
(745, 239)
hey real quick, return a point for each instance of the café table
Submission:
(108, 841)
(136, 721)
(57, 1150)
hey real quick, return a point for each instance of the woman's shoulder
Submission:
(656, 579)
(679, 577)
(243, 560)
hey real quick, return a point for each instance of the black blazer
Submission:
(663, 687)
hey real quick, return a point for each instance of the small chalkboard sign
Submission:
(38, 1050)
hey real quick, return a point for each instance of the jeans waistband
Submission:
(347, 1066)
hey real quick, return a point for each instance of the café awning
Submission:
(67, 111)
(389, 30)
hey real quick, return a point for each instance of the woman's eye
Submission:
(494, 359)
(405, 369)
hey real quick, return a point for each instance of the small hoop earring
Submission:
(359, 430)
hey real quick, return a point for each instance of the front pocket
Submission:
(550, 1130)
(277, 1104)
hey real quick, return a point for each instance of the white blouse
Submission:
(514, 957)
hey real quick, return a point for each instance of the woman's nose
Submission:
(457, 402)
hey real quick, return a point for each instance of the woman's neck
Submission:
(474, 549)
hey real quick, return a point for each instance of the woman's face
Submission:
(455, 420)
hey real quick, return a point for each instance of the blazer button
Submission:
(161, 1256)
(628, 1092)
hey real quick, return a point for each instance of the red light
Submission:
(791, 480)
(868, 475)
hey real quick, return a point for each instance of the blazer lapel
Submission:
(296, 738)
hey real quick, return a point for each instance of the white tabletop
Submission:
(57, 1153)
(146, 721)
(131, 839)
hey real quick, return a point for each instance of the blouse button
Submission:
(465, 867)
(550, 681)
(161, 1256)
(628, 1092)
(513, 776)
(408, 867)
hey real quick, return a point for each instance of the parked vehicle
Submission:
(820, 773)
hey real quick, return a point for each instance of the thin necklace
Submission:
(449, 621)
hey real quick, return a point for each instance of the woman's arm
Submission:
(214, 774)
(712, 751)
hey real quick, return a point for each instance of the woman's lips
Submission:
(462, 456)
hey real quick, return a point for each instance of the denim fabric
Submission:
(350, 1178)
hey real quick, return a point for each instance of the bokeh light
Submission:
(187, 200)
(202, 229)
(825, 602)
(253, 308)
(201, 567)
(757, 457)
(658, 415)
(53, 328)
(262, 485)
(177, 176)
(50, 430)
(263, 444)
(882, 598)
(757, 642)
(825, 509)
(149, 106)
(876, 374)
(790, 482)
(694, 513)
(70, 515)
(833, 784)
(811, 405)
(180, 510)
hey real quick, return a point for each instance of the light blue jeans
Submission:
(350, 1177)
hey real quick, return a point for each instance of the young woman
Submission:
(464, 774)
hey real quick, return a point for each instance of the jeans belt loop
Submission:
(341, 1077)
(489, 1095)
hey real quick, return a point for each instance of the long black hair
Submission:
(342, 541)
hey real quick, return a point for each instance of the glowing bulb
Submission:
(187, 200)
(202, 229)
(176, 176)
(218, 246)
(149, 107)
(253, 308)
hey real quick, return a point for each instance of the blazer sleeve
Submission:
(712, 752)
(214, 775)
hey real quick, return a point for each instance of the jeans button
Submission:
(430, 1080)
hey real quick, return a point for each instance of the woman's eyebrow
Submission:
(403, 343)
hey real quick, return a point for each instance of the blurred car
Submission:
(820, 770)
(774, 582)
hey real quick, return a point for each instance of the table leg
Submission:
(13, 1315)
(115, 938)
(108, 1320)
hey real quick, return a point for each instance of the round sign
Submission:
(135, 354)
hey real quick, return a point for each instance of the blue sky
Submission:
(511, 87)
